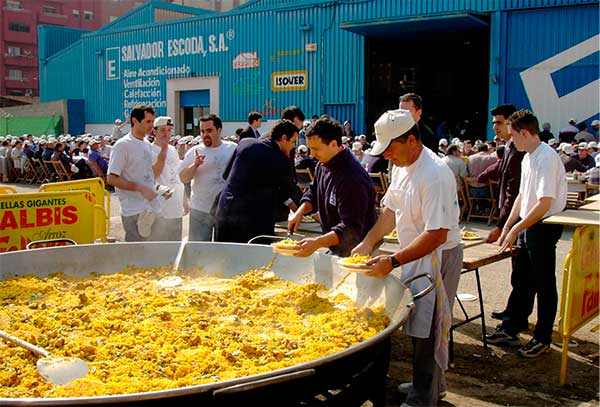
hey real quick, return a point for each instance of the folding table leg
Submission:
(480, 295)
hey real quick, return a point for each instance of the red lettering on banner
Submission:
(43, 216)
(24, 223)
(57, 216)
(8, 221)
(69, 215)
(591, 296)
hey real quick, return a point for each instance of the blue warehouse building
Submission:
(350, 59)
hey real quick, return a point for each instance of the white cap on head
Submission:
(595, 122)
(592, 144)
(456, 141)
(345, 139)
(572, 120)
(302, 149)
(443, 142)
(356, 146)
(163, 121)
(552, 141)
(362, 136)
(118, 121)
(392, 124)
(567, 149)
(583, 145)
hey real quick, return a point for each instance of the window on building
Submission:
(76, 13)
(15, 92)
(88, 15)
(15, 74)
(19, 27)
(14, 51)
(13, 5)
(51, 10)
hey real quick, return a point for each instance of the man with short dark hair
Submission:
(341, 192)
(509, 172)
(130, 172)
(584, 134)
(204, 166)
(254, 121)
(258, 180)
(293, 114)
(542, 193)
(454, 162)
(413, 103)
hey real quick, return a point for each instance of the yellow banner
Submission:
(47, 215)
(581, 294)
(101, 196)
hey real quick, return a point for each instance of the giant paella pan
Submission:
(364, 363)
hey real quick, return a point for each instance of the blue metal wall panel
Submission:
(192, 98)
(528, 45)
(76, 115)
(53, 38)
(342, 112)
(278, 32)
(61, 76)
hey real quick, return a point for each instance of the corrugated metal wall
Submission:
(62, 75)
(535, 36)
(279, 36)
(52, 38)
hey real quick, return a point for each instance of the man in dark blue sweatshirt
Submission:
(341, 192)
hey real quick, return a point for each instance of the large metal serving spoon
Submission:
(57, 370)
(174, 280)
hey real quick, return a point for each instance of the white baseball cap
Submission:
(163, 121)
(552, 141)
(356, 146)
(592, 144)
(567, 149)
(302, 149)
(392, 124)
(595, 122)
(443, 142)
(583, 145)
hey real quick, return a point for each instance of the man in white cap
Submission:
(442, 147)
(358, 151)
(117, 132)
(584, 157)
(166, 172)
(592, 148)
(422, 204)
(596, 127)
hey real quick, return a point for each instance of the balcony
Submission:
(20, 60)
(15, 10)
(25, 83)
(20, 37)
(46, 17)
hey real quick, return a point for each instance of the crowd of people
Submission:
(238, 188)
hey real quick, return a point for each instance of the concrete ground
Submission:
(494, 376)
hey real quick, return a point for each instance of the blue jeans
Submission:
(201, 226)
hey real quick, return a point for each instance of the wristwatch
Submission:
(395, 262)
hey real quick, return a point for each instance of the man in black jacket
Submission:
(257, 182)
(509, 171)
(341, 192)
(254, 121)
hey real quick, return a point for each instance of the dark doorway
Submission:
(448, 69)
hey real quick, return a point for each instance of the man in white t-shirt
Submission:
(166, 170)
(542, 193)
(422, 203)
(204, 166)
(130, 172)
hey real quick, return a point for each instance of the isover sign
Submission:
(42, 216)
(289, 80)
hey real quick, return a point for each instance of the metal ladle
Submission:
(174, 280)
(57, 370)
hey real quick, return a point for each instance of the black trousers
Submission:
(534, 274)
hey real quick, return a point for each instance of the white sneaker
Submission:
(405, 388)
(145, 221)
